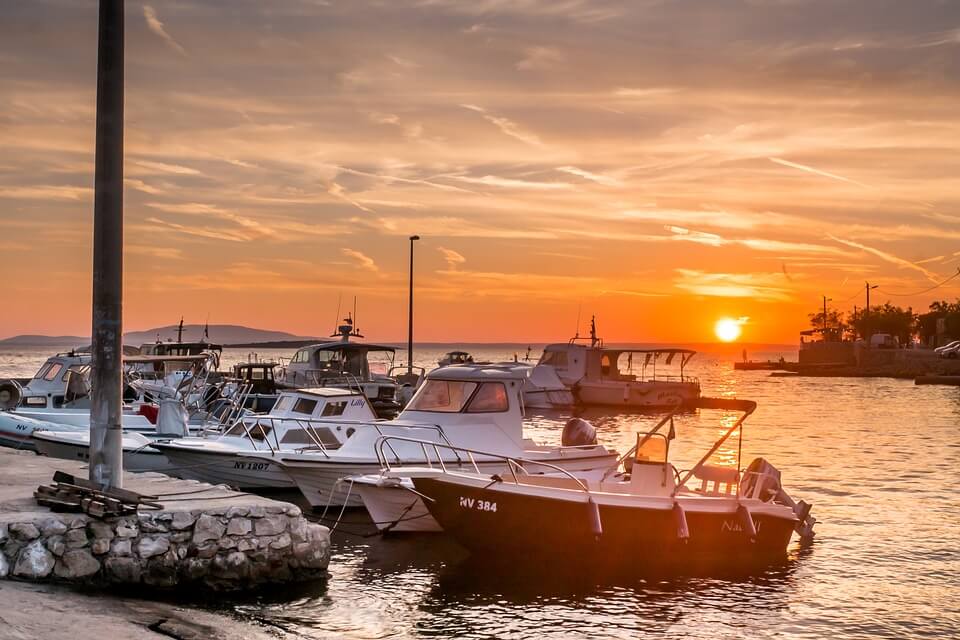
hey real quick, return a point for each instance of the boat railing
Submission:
(516, 466)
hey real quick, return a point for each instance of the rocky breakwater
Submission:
(223, 548)
(203, 536)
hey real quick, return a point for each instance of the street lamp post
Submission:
(825, 301)
(866, 313)
(410, 311)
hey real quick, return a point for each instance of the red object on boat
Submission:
(150, 411)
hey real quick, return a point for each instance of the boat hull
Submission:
(16, 431)
(232, 469)
(495, 521)
(637, 394)
(397, 509)
(138, 460)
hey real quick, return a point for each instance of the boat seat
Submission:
(652, 478)
(723, 479)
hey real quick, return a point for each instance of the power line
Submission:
(917, 293)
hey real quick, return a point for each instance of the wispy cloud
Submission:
(759, 286)
(506, 125)
(539, 58)
(362, 260)
(819, 172)
(888, 257)
(337, 191)
(589, 175)
(154, 24)
(453, 258)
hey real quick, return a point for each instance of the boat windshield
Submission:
(443, 396)
(454, 396)
(554, 358)
(652, 447)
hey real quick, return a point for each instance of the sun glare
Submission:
(727, 329)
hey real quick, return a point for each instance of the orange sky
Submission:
(657, 163)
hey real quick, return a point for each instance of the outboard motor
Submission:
(577, 433)
(10, 394)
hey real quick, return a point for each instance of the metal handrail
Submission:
(747, 406)
(667, 418)
(513, 464)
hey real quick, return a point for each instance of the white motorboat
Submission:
(621, 377)
(346, 364)
(301, 420)
(455, 357)
(646, 515)
(138, 454)
(477, 405)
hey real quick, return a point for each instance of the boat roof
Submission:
(339, 345)
(458, 353)
(661, 350)
(326, 392)
(478, 372)
(200, 357)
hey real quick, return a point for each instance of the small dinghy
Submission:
(650, 513)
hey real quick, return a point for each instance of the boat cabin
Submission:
(468, 394)
(61, 380)
(455, 357)
(171, 348)
(259, 375)
(302, 419)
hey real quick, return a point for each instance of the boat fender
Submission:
(593, 514)
(10, 394)
(746, 522)
(578, 432)
(680, 520)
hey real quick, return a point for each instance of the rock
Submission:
(207, 550)
(207, 528)
(195, 569)
(153, 526)
(52, 527)
(162, 570)
(282, 542)
(149, 547)
(56, 545)
(233, 566)
(257, 512)
(4, 566)
(298, 529)
(127, 530)
(100, 546)
(121, 547)
(99, 529)
(4, 535)
(180, 537)
(228, 543)
(77, 538)
(78, 563)
(77, 522)
(239, 526)
(293, 511)
(311, 556)
(237, 512)
(182, 520)
(24, 531)
(246, 544)
(122, 570)
(34, 561)
(270, 525)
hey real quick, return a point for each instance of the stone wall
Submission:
(221, 548)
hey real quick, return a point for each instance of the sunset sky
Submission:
(658, 163)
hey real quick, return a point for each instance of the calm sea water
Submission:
(879, 459)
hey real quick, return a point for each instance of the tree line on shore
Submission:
(942, 319)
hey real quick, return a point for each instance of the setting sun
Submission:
(727, 329)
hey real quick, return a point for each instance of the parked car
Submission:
(949, 345)
(951, 352)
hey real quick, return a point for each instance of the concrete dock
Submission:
(202, 536)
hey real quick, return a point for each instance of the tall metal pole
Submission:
(106, 460)
(410, 310)
(824, 317)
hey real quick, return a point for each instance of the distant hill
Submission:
(43, 341)
(219, 333)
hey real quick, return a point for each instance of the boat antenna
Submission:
(593, 331)
(336, 319)
(180, 330)
(355, 329)
(206, 328)
(576, 333)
